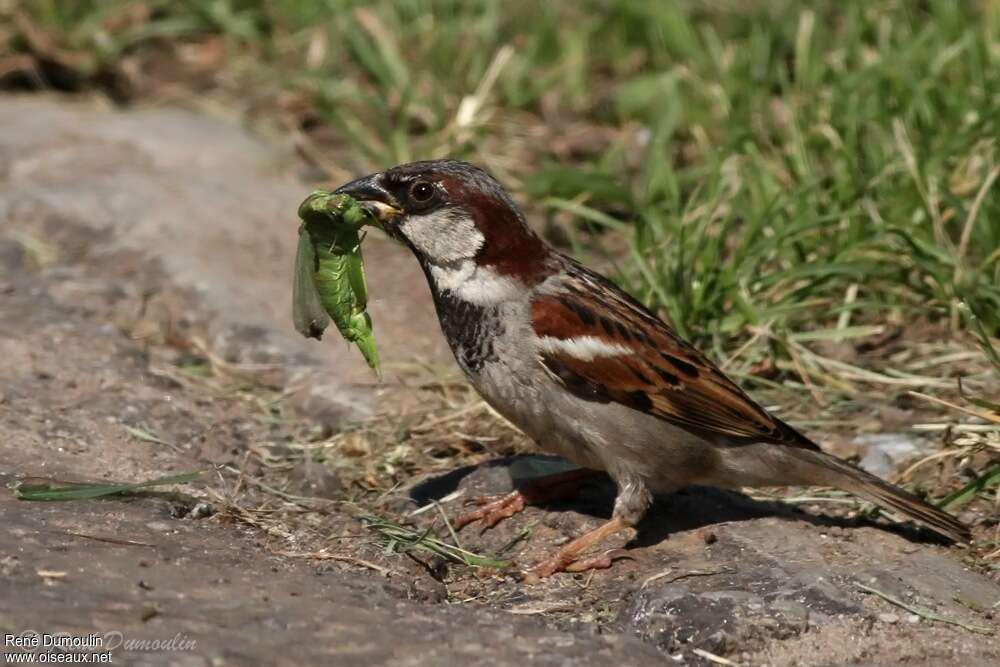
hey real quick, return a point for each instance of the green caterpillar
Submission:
(329, 272)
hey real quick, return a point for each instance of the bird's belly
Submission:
(601, 436)
(535, 408)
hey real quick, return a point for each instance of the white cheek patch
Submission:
(475, 284)
(443, 236)
(584, 348)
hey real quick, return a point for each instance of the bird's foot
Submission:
(494, 509)
(568, 558)
(558, 563)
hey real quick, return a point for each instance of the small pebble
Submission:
(711, 538)
(202, 510)
(888, 618)
(912, 618)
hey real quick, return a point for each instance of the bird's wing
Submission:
(604, 346)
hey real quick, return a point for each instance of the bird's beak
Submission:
(371, 194)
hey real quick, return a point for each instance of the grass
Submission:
(784, 165)
(401, 539)
(926, 614)
(969, 491)
(36, 488)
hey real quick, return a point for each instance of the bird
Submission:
(586, 370)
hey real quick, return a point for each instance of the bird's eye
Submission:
(422, 192)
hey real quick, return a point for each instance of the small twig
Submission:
(844, 320)
(454, 495)
(926, 614)
(796, 500)
(955, 428)
(905, 475)
(852, 372)
(683, 575)
(800, 369)
(105, 538)
(963, 242)
(654, 577)
(437, 421)
(402, 539)
(148, 436)
(522, 535)
(757, 333)
(948, 404)
(529, 610)
(451, 529)
(305, 502)
(711, 657)
(323, 555)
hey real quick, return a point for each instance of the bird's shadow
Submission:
(687, 509)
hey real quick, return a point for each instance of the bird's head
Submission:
(452, 215)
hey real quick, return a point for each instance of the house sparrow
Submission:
(584, 369)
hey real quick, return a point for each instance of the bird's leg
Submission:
(631, 504)
(494, 509)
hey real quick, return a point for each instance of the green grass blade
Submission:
(50, 489)
(990, 478)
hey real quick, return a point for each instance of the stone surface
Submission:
(883, 453)
(231, 604)
(719, 571)
(214, 210)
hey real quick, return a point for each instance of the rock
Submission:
(257, 614)
(747, 597)
(768, 576)
(202, 510)
(159, 526)
(885, 452)
(771, 580)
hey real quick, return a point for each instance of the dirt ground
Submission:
(144, 331)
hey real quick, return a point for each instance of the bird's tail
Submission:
(825, 470)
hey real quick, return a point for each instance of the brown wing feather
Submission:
(663, 375)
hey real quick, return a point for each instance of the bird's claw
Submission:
(560, 562)
(492, 510)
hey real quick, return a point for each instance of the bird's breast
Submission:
(470, 329)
